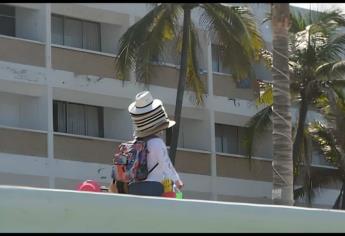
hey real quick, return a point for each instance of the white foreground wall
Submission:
(46, 210)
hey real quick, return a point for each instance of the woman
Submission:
(149, 120)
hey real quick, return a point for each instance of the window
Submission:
(73, 33)
(57, 30)
(76, 33)
(229, 139)
(78, 119)
(7, 20)
(217, 64)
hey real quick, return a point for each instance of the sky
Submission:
(320, 6)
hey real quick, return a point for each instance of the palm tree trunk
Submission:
(182, 80)
(282, 191)
(307, 168)
(300, 128)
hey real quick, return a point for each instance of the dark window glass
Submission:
(7, 20)
(78, 119)
(76, 33)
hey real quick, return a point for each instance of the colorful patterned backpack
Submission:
(130, 161)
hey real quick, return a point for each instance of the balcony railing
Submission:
(22, 51)
(23, 141)
(83, 62)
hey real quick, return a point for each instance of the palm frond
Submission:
(145, 40)
(337, 204)
(312, 184)
(338, 87)
(193, 79)
(266, 57)
(321, 102)
(256, 125)
(335, 15)
(326, 142)
(298, 22)
(333, 49)
(266, 95)
(236, 32)
(314, 178)
(162, 29)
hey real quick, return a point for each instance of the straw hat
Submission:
(148, 115)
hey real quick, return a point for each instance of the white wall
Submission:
(75, 211)
(22, 111)
(137, 9)
(9, 109)
(117, 124)
(29, 24)
(33, 112)
(194, 134)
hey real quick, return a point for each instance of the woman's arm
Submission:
(169, 169)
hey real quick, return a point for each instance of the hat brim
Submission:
(142, 110)
(165, 125)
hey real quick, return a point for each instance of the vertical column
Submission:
(47, 11)
(50, 135)
(211, 120)
(132, 72)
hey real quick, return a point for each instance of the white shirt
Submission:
(158, 153)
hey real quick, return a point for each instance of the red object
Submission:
(89, 186)
(169, 194)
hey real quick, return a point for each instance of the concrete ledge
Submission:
(46, 210)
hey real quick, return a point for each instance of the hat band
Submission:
(152, 123)
(153, 126)
(143, 106)
(149, 119)
(138, 116)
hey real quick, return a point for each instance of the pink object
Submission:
(90, 186)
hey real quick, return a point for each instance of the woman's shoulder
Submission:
(155, 142)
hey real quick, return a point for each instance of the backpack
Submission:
(130, 161)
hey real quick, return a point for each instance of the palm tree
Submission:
(330, 138)
(314, 62)
(282, 191)
(232, 27)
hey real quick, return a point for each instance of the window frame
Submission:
(100, 116)
(218, 50)
(221, 134)
(82, 30)
(215, 49)
(12, 17)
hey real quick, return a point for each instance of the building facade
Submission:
(63, 111)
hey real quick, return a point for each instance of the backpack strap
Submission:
(153, 167)
(145, 139)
